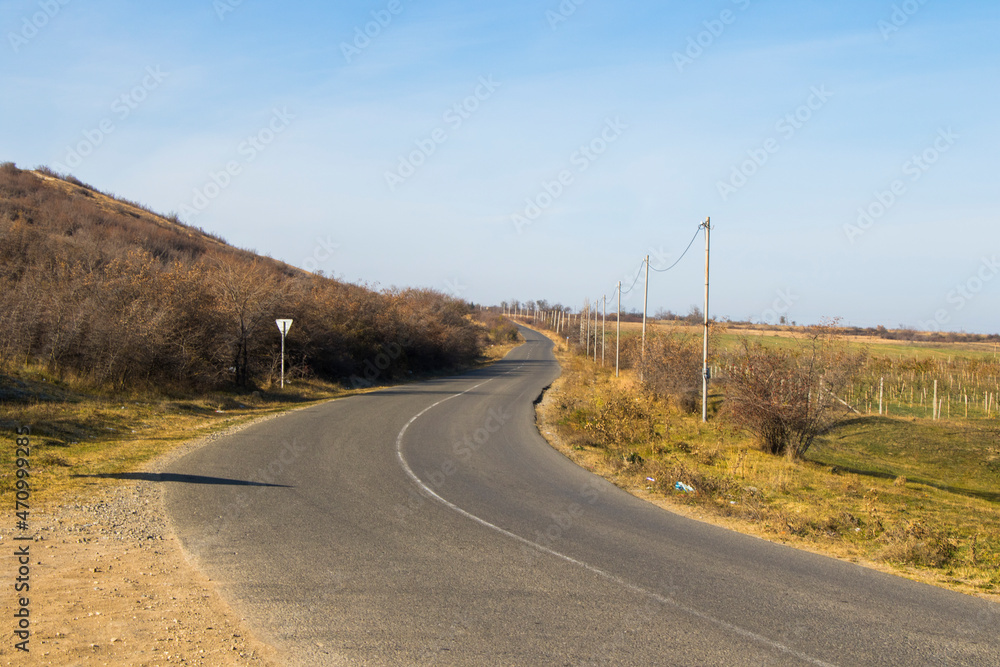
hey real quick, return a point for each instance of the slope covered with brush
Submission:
(106, 291)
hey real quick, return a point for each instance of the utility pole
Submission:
(590, 328)
(618, 335)
(645, 305)
(604, 332)
(704, 382)
(597, 311)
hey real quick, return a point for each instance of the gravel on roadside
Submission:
(111, 585)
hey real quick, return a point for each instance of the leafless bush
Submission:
(248, 295)
(125, 300)
(671, 367)
(786, 397)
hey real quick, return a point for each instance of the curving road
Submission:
(431, 524)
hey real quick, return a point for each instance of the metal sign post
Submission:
(283, 327)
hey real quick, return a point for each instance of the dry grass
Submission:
(78, 436)
(116, 206)
(788, 335)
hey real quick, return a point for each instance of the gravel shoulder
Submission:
(111, 585)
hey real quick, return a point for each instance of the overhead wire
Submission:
(693, 238)
(638, 273)
(644, 261)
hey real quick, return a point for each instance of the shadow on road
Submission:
(183, 479)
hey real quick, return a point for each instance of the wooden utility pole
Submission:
(618, 335)
(597, 311)
(604, 332)
(704, 381)
(645, 304)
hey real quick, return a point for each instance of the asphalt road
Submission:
(431, 524)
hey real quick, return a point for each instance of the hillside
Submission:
(104, 290)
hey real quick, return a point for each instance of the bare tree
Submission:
(671, 368)
(248, 294)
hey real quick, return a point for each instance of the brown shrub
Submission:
(618, 420)
(93, 287)
(671, 367)
(785, 398)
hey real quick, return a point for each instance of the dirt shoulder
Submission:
(111, 585)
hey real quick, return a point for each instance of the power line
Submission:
(637, 274)
(697, 231)
(645, 262)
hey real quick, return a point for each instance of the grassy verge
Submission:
(79, 435)
(912, 496)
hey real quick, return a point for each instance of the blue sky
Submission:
(845, 151)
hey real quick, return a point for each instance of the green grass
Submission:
(962, 458)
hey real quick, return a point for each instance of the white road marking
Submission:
(748, 634)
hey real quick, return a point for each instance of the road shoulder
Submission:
(111, 583)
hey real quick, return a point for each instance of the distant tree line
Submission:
(103, 289)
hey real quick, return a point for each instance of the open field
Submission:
(903, 372)
(788, 335)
